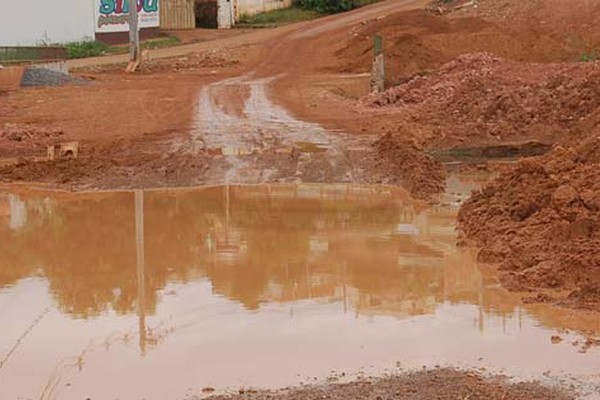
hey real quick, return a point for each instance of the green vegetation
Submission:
(92, 48)
(302, 10)
(276, 17)
(589, 57)
(84, 49)
(159, 43)
(331, 6)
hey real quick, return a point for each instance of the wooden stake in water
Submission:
(378, 71)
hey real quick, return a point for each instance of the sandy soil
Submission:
(441, 384)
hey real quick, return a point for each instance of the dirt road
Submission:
(227, 115)
(292, 104)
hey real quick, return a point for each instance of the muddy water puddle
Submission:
(259, 141)
(155, 295)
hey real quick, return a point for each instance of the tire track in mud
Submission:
(261, 142)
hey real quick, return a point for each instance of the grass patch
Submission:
(159, 43)
(278, 17)
(302, 10)
(84, 49)
(92, 48)
(591, 56)
(332, 6)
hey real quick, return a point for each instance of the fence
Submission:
(31, 55)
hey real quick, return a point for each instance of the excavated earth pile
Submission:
(525, 31)
(479, 98)
(541, 223)
(401, 161)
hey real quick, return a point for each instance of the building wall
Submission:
(251, 7)
(36, 22)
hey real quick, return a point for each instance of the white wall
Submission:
(31, 22)
(251, 7)
(225, 14)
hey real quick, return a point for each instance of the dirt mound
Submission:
(541, 223)
(215, 59)
(574, 22)
(483, 98)
(17, 139)
(29, 133)
(418, 41)
(401, 161)
(36, 76)
(112, 165)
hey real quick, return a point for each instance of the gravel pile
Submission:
(438, 384)
(45, 77)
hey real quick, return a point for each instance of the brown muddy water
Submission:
(157, 295)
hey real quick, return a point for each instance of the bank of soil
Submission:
(420, 41)
(541, 223)
(482, 99)
(397, 159)
(440, 384)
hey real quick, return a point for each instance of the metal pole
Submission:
(134, 37)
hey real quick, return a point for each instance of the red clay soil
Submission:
(113, 165)
(572, 24)
(400, 161)
(419, 41)
(16, 138)
(541, 223)
(479, 98)
(439, 384)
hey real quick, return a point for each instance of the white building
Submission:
(252, 7)
(39, 22)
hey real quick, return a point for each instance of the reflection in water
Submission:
(141, 266)
(222, 285)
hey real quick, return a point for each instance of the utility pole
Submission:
(134, 37)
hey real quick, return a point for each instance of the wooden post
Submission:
(134, 37)
(378, 71)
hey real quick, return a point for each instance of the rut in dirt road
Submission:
(256, 141)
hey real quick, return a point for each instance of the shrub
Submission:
(329, 6)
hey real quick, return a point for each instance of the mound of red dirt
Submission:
(29, 133)
(401, 161)
(573, 21)
(419, 41)
(482, 98)
(541, 223)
